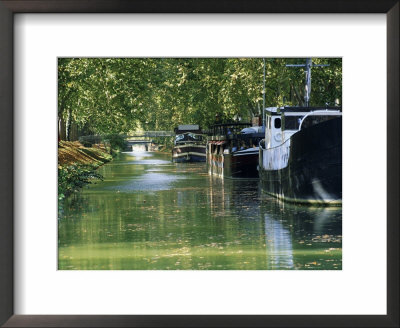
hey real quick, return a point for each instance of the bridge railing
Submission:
(151, 134)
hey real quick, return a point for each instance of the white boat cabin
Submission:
(281, 123)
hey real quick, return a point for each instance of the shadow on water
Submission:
(150, 213)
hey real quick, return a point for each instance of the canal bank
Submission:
(77, 165)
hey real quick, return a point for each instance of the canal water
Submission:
(150, 213)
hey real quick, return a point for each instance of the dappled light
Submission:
(175, 217)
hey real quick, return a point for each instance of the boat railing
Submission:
(261, 144)
(323, 113)
(227, 128)
(190, 142)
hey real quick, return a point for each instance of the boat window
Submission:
(277, 123)
(292, 122)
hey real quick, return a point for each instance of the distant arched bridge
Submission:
(145, 143)
(139, 138)
(132, 140)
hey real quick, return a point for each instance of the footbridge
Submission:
(145, 144)
(144, 138)
(151, 134)
(141, 138)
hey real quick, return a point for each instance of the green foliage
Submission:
(116, 141)
(165, 144)
(73, 177)
(118, 95)
(90, 140)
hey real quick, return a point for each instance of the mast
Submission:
(308, 65)
(308, 81)
(263, 111)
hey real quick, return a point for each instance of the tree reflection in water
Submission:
(150, 213)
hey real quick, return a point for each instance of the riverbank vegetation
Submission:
(77, 165)
(100, 96)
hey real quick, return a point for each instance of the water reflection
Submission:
(148, 181)
(165, 216)
(279, 245)
(300, 237)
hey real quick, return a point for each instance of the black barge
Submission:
(301, 156)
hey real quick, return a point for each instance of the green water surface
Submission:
(150, 213)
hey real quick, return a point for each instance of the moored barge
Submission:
(232, 150)
(189, 144)
(301, 156)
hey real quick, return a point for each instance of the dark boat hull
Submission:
(234, 165)
(311, 172)
(189, 153)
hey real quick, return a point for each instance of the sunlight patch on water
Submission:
(138, 153)
(149, 162)
(149, 182)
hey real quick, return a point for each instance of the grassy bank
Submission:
(77, 165)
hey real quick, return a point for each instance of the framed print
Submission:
(153, 244)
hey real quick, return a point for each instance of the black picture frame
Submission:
(10, 7)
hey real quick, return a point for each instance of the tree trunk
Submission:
(61, 129)
(68, 125)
